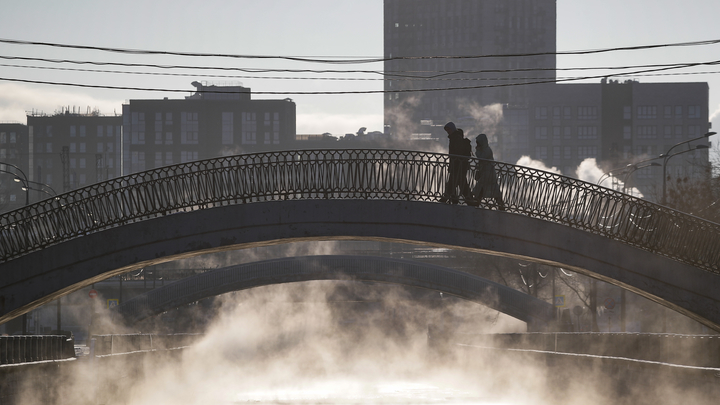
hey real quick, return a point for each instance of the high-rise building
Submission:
(449, 44)
(215, 121)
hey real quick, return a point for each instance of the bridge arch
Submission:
(61, 244)
(536, 313)
(82, 261)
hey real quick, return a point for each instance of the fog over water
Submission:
(343, 342)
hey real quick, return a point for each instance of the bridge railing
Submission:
(352, 174)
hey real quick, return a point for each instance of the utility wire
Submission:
(354, 60)
(351, 92)
(406, 74)
(194, 75)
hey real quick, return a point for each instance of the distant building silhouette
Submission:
(217, 120)
(559, 124)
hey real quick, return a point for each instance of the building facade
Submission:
(13, 164)
(455, 74)
(69, 150)
(443, 39)
(215, 121)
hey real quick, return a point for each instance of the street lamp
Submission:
(667, 156)
(27, 196)
(634, 167)
(26, 186)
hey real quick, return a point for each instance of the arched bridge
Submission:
(61, 244)
(535, 312)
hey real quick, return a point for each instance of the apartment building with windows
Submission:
(218, 120)
(13, 156)
(616, 123)
(70, 149)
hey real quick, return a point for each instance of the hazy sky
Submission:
(315, 28)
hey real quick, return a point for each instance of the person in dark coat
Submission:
(486, 185)
(458, 168)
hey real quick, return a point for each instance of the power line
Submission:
(420, 74)
(354, 60)
(360, 91)
(409, 78)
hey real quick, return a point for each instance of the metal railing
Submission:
(30, 348)
(353, 174)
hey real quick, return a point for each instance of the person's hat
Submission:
(450, 126)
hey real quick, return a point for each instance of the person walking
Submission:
(457, 176)
(486, 185)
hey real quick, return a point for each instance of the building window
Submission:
(567, 153)
(694, 111)
(693, 131)
(627, 132)
(556, 113)
(541, 113)
(189, 128)
(647, 132)
(48, 148)
(188, 156)
(73, 131)
(647, 112)
(168, 118)
(556, 153)
(82, 147)
(540, 132)
(567, 132)
(158, 159)
(109, 148)
(678, 131)
(556, 132)
(667, 111)
(567, 113)
(109, 132)
(73, 147)
(585, 152)
(249, 129)
(158, 128)
(587, 132)
(81, 162)
(137, 128)
(541, 152)
(168, 138)
(99, 148)
(627, 112)
(168, 158)
(587, 113)
(227, 128)
(678, 111)
(82, 131)
(100, 131)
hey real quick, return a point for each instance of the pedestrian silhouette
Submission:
(457, 176)
(486, 185)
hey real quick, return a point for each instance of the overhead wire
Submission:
(126, 72)
(353, 60)
(541, 81)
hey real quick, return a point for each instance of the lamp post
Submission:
(26, 186)
(667, 156)
(632, 168)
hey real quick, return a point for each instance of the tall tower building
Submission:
(453, 44)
